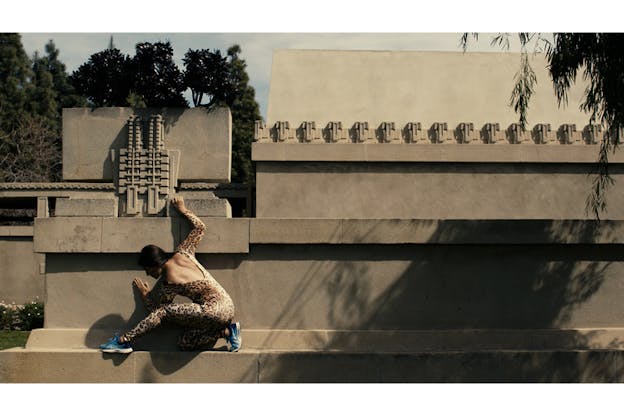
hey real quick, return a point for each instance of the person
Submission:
(206, 319)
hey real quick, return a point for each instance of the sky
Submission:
(257, 48)
(262, 26)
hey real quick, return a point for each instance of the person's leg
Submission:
(199, 339)
(187, 314)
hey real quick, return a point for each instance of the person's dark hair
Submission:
(153, 256)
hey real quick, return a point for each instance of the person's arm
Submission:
(143, 288)
(190, 243)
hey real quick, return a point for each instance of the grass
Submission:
(10, 339)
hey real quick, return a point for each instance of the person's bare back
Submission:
(180, 269)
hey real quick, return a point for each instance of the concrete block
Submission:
(350, 190)
(387, 231)
(20, 281)
(68, 235)
(82, 207)
(441, 153)
(205, 207)
(295, 231)
(203, 138)
(130, 235)
(318, 367)
(57, 366)
(223, 235)
(500, 367)
(16, 231)
(43, 208)
(196, 367)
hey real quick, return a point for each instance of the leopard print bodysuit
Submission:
(211, 311)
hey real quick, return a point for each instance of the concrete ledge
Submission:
(83, 207)
(404, 231)
(57, 366)
(128, 235)
(92, 366)
(233, 235)
(358, 341)
(17, 231)
(389, 152)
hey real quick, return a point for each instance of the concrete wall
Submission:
(204, 139)
(368, 286)
(405, 86)
(429, 190)
(21, 277)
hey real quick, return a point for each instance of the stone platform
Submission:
(391, 356)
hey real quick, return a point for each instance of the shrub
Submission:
(21, 317)
(31, 316)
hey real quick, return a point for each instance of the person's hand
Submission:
(142, 286)
(178, 202)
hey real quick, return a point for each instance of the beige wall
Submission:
(203, 138)
(372, 286)
(20, 277)
(429, 191)
(405, 86)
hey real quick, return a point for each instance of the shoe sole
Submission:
(120, 351)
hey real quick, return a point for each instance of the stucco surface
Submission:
(18, 366)
(203, 138)
(406, 86)
(20, 277)
(366, 287)
(429, 190)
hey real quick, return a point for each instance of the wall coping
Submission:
(17, 230)
(444, 152)
(236, 235)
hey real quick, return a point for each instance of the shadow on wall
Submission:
(458, 286)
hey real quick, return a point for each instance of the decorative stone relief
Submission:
(592, 133)
(261, 133)
(281, 132)
(490, 132)
(387, 133)
(567, 134)
(541, 133)
(412, 132)
(144, 174)
(438, 132)
(515, 133)
(359, 132)
(464, 132)
(306, 133)
(333, 132)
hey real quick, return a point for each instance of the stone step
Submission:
(19, 365)
(358, 341)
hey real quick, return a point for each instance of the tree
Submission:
(65, 92)
(153, 80)
(32, 94)
(42, 100)
(209, 75)
(104, 79)
(30, 152)
(600, 58)
(15, 75)
(155, 76)
(245, 112)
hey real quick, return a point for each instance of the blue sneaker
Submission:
(234, 340)
(113, 345)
